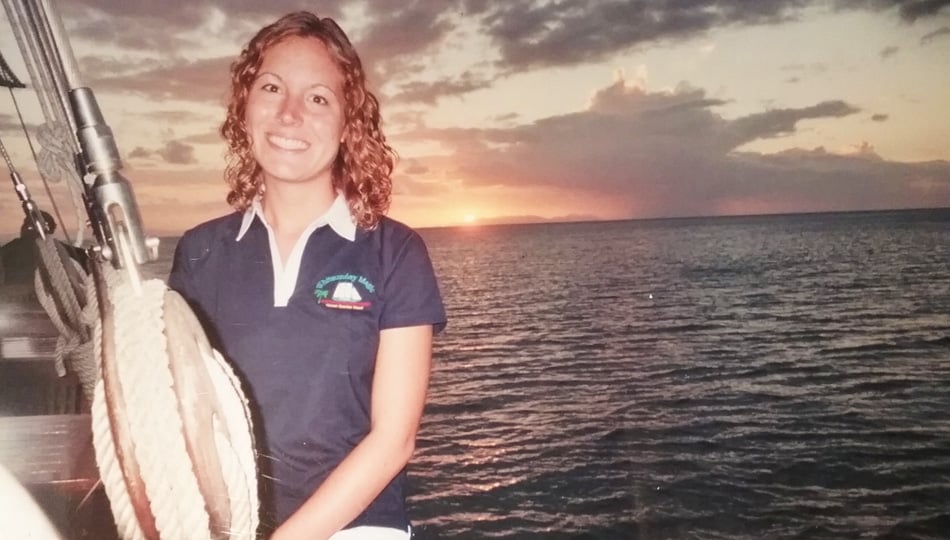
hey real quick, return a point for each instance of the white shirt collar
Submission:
(338, 217)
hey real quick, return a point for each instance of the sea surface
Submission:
(740, 378)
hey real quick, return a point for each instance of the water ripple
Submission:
(771, 378)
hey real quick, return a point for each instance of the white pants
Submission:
(372, 533)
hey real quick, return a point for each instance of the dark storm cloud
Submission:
(577, 31)
(672, 154)
(909, 10)
(536, 34)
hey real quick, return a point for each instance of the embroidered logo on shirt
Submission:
(342, 291)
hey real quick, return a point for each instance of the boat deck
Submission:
(45, 435)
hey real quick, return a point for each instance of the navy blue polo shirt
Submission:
(307, 367)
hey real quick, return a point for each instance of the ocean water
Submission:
(757, 377)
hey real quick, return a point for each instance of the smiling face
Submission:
(295, 113)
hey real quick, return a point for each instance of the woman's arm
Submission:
(400, 382)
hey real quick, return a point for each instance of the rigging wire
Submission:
(46, 186)
(58, 144)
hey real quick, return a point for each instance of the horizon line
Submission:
(498, 222)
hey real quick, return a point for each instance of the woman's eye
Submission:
(320, 100)
(269, 87)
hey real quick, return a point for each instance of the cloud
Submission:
(670, 153)
(175, 116)
(140, 153)
(536, 34)
(778, 122)
(408, 185)
(507, 118)
(210, 137)
(430, 92)
(815, 68)
(399, 29)
(164, 26)
(911, 10)
(940, 33)
(396, 38)
(803, 71)
(149, 33)
(414, 167)
(177, 153)
(889, 51)
(10, 123)
(202, 80)
(664, 153)
(529, 218)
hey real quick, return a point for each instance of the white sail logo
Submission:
(341, 291)
(346, 292)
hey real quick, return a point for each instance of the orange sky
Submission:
(524, 111)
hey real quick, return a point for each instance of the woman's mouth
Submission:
(286, 143)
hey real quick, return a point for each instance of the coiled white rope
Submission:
(170, 423)
(171, 427)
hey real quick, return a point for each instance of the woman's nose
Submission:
(289, 112)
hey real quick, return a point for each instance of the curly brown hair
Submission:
(364, 164)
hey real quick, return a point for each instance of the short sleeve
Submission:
(188, 266)
(180, 277)
(412, 296)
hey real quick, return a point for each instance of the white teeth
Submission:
(286, 144)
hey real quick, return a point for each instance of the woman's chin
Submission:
(276, 178)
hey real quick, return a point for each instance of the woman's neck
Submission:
(291, 208)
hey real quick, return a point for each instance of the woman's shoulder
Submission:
(219, 224)
(396, 230)
(202, 236)
(394, 237)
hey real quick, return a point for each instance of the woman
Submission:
(325, 307)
